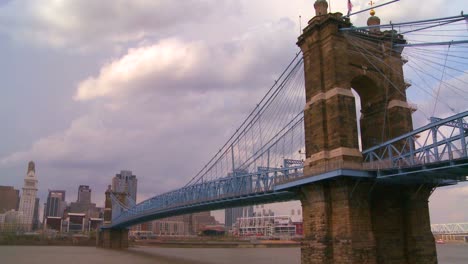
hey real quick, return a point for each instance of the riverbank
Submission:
(218, 244)
(187, 242)
(447, 254)
(190, 242)
(37, 240)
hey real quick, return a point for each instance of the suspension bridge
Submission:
(305, 140)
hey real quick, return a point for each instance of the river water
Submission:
(448, 254)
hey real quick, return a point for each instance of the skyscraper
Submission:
(84, 194)
(28, 199)
(35, 224)
(83, 202)
(125, 182)
(55, 203)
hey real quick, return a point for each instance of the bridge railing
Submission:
(236, 185)
(440, 141)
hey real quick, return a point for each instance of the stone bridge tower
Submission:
(116, 238)
(350, 220)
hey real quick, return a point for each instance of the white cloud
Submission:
(451, 95)
(172, 65)
(447, 204)
(170, 58)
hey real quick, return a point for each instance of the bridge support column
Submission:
(337, 223)
(112, 238)
(401, 224)
(348, 221)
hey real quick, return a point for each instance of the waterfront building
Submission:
(212, 230)
(9, 199)
(9, 221)
(171, 226)
(232, 214)
(183, 225)
(292, 209)
(79, 215)
(28, 199)
(53, 223)
(125, 182)
(198, 221)
(266, 226)
(76, 222)
(94, 223)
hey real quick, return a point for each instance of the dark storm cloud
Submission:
(83, 24)
(164, 109)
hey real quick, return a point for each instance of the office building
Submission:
(9, 199)
(36, 223)
(84, 194)
(126, 182)
(55, 204)
(83, 203)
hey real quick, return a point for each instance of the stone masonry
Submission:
(116, 238)
(348, 220)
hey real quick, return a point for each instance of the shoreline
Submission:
(189, 243)
(218, 244)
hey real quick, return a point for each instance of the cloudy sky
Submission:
(89, 88)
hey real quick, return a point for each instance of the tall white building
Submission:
(28, 199)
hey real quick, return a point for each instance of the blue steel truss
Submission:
(440, 145)
(235, 189)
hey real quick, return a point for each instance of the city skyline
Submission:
(190, 80)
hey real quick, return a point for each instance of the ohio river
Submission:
(447, 254)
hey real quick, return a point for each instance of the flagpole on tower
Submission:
(364, 10)
(350, 7)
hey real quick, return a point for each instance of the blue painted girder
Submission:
(440, 160)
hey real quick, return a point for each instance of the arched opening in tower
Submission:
(370, 111)
(357, 101)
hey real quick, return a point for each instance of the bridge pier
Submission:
(337, 228)
(402, 224)
(346, 221)
(112, 238)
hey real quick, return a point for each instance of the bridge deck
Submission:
(439, 160)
